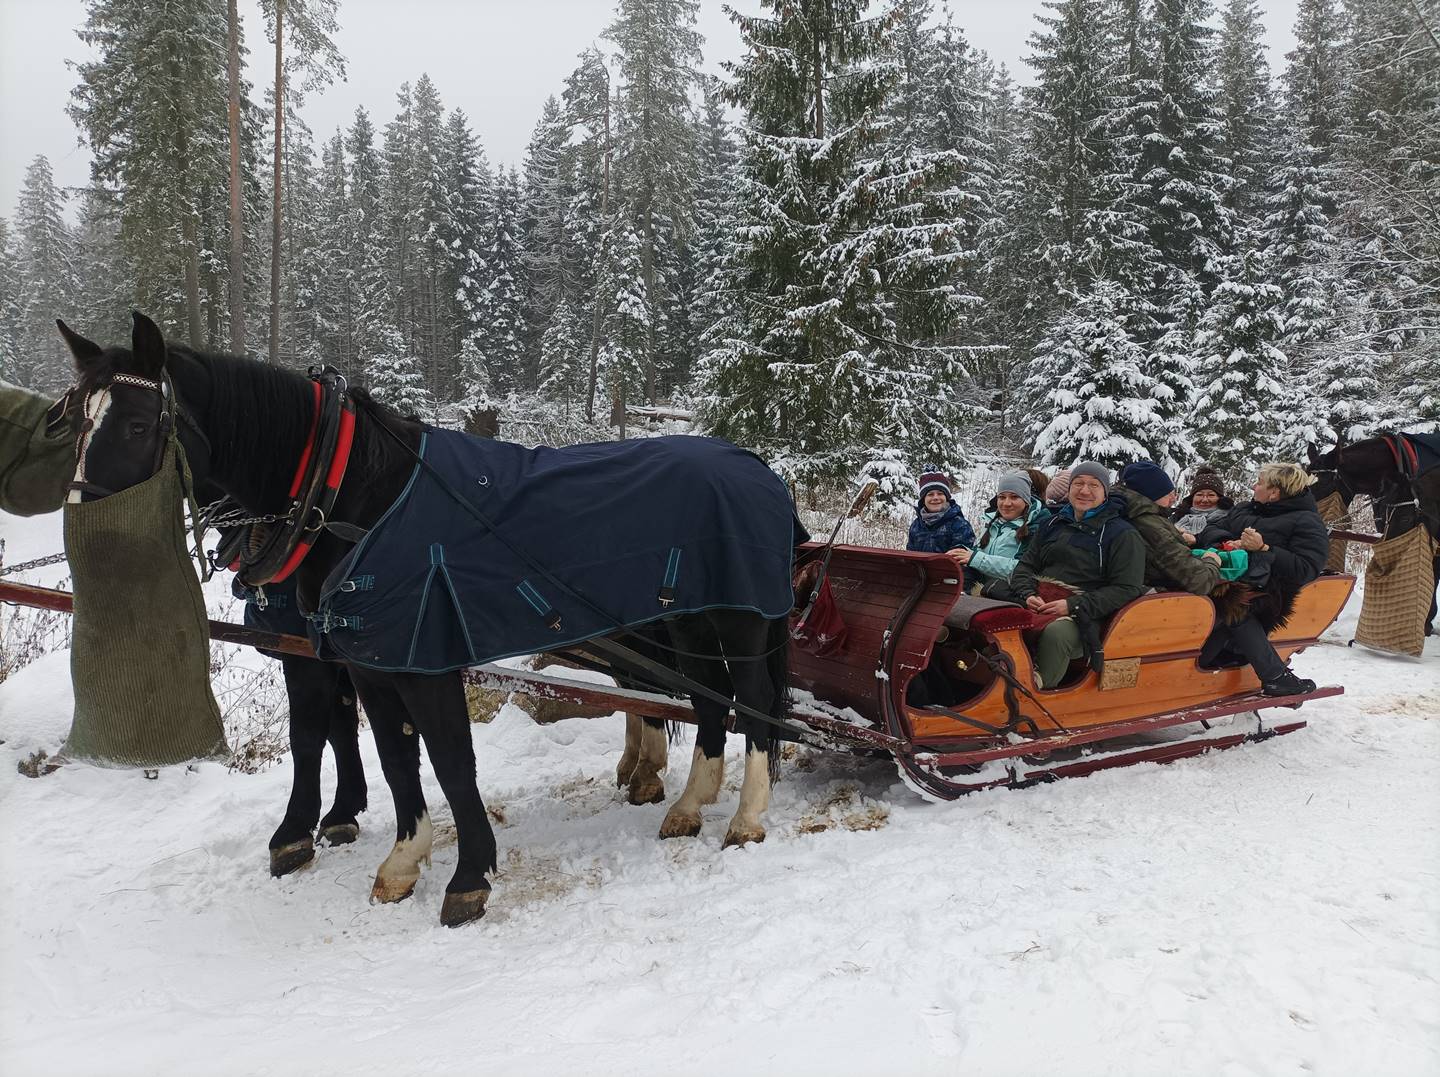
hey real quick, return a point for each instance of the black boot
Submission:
(1287, 684)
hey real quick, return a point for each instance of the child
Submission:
(939, 525)
(1018, 513)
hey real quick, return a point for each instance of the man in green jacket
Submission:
(37, 452)
(1091, 560)
(1169, 563)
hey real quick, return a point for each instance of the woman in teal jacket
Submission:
(1008, 526)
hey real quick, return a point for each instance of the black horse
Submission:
(321, 698)
(246, 426)
(1402, 502)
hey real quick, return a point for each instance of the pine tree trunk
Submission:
(647, 256)
(275, 210)
(595, 320)
(190, 240)
(819, 72)
(237, 223)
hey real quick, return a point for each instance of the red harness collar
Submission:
(1407, 460)
(313, 490)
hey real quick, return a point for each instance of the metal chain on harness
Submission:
(24, 566)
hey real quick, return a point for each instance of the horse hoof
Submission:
(677, 825)
(623, 772)
(646, 793)
(460, 909)
(287, 858)
(746, 836)
(340, 833)
(389, 891)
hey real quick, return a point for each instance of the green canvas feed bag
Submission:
(140, 651)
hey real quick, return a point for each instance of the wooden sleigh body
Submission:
(905, 611)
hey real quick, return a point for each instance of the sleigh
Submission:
(905, 614)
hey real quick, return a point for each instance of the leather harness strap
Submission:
(313, 490)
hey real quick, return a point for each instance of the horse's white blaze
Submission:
(754, 798)
(398, 874)
(97, 407)
(703, 785)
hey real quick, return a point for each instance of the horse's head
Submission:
(126, 406)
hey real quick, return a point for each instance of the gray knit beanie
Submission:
(1094, 470)
(1017, 483)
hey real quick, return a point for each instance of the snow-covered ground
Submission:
(1270, 910)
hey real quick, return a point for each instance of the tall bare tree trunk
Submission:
(192, 281)
(237, 223)
(275, 212)
(596, 317)
(818, 61)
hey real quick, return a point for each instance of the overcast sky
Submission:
(496, 59)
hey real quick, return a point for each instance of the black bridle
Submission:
(170, 411)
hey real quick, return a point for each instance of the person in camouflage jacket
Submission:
(1169, 565)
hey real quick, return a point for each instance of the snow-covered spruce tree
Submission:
(1247, 109)
(620, 290)
(500, 332)
(165, 150)
(1302, 204)
(1006, 323)
(550, 266)
(714, 211)
(394, 373)
(1177, 186)
(400, 232)
(659, 51)
(332, 274)
(431, 298)
(364, 233)
(1389, 225)
(1245, 408)
(302, 263)
(9, 307)
(1068, 151)
(1096, 397)
(844, 273)
(565, 351)
(464, 234)
(45, 253)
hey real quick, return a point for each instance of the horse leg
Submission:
(757, 687)
(293, 843)
(340, 825)
(653, 752)
(399, 750)
(693, 633)
(1434, 597)
(437, 707)
(631, 755)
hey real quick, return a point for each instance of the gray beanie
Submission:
(1017, 483)
(1094, 470)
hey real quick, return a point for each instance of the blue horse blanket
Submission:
(570, 544)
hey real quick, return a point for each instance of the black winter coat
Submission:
(1103, 556)
(1299, 542)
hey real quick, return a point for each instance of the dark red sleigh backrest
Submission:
(878, 591)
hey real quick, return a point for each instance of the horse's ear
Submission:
(147, 344)
(85, 351)
(1311, 454)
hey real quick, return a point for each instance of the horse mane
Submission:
(257, 412)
